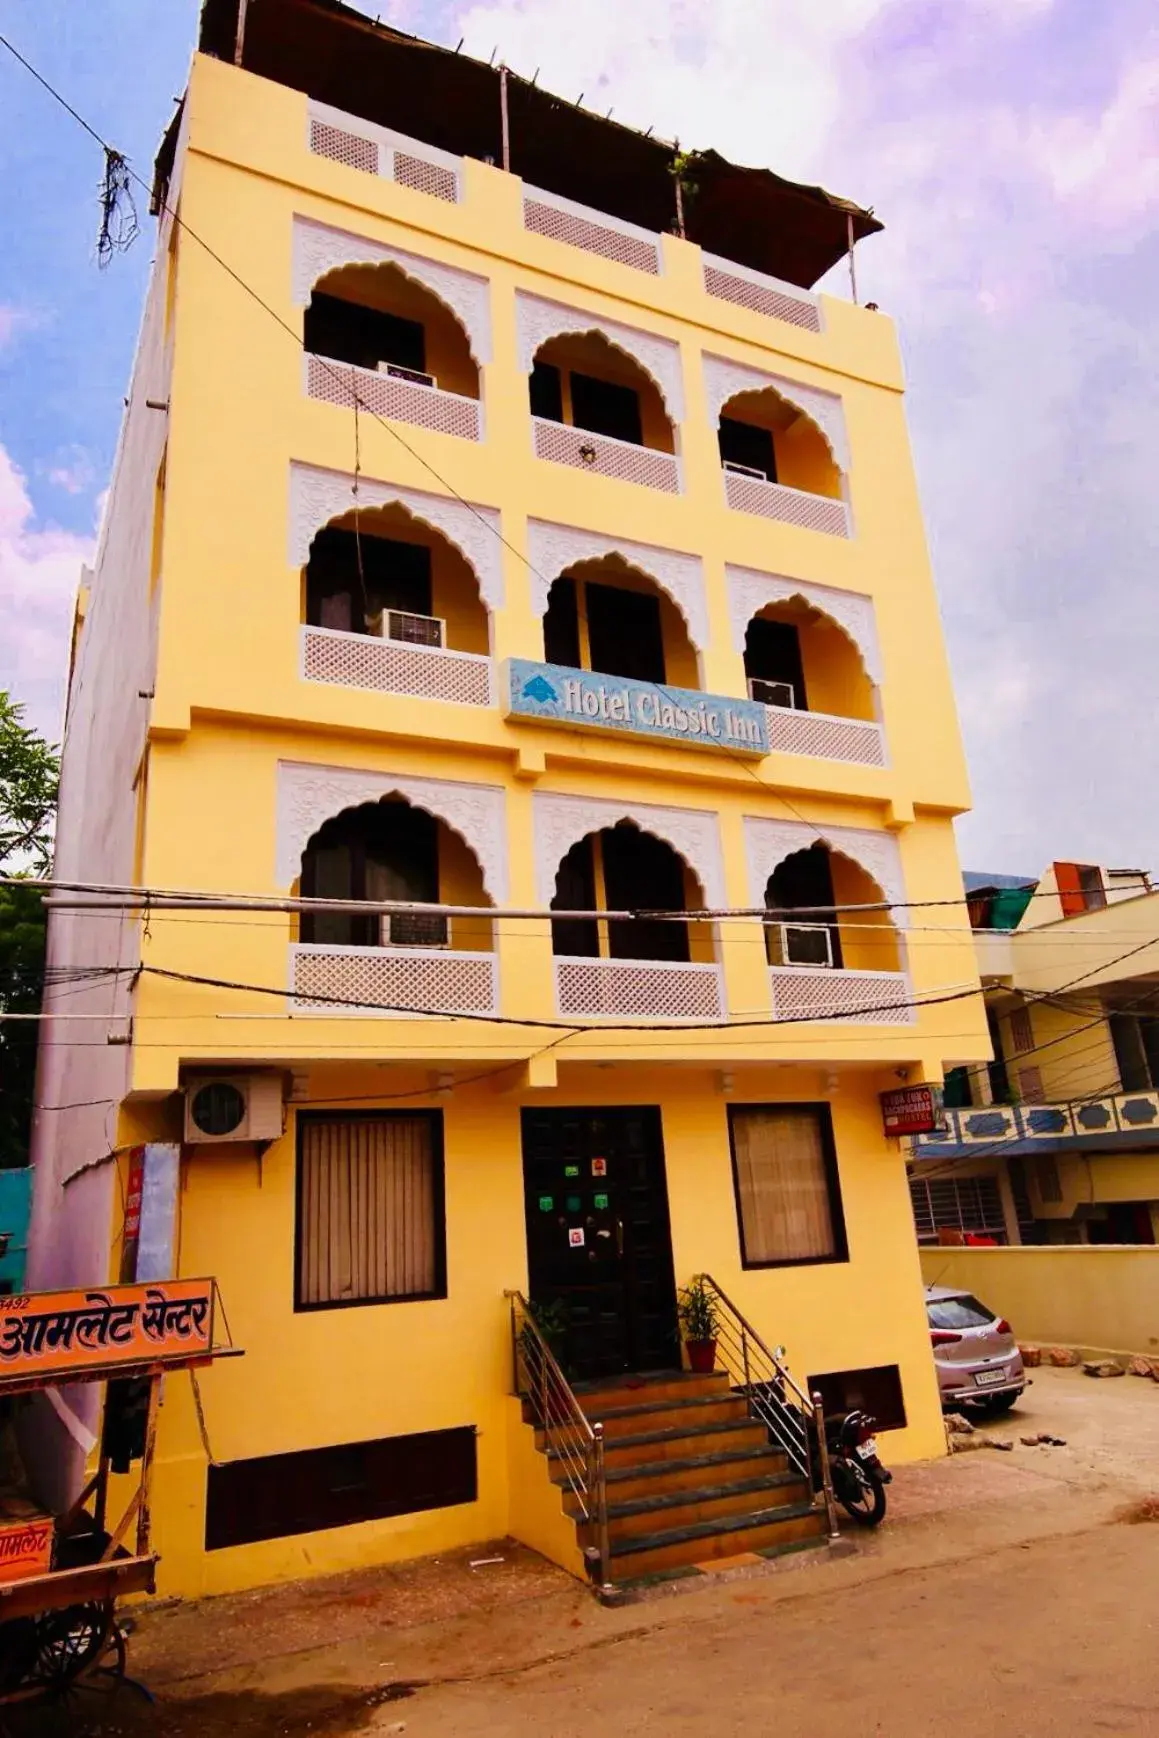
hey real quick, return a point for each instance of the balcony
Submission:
(825, 735)
(391, 667)
(869, 998)
(729, 282)
(393, 395)
(629, 989)
(1116, 1121)
(605, 455)
(375, 150)
(593, 231)
(352, 981)
(753, 494)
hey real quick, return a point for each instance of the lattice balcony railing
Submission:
(594, 231)
(870, 998)
(375, 150)
(825, 735)
(387, 395)
(608, 457)
(390, 667)
(790, 506)
(638, 989)
(730, 282)
(391, 980)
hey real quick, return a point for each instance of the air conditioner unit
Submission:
(772, 693)
(414, 375)
(745, 470)
(409, 629)
(233, 1107)
(415, 929)
(800, 944)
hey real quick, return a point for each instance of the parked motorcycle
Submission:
(859, 1479)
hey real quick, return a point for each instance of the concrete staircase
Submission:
(691, 1478)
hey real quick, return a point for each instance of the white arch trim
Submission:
(554, 548)
(769, 842)
(561, 822)
(749, 592)
(317, 497)
(310, 795)
(318, 249)
(724, 379)
(537, 321)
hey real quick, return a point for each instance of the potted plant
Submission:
(696, 1308)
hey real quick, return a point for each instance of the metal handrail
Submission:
(545, 1391)
(793, 1418)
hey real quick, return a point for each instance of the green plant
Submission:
(696, 1309)
(551, 1320)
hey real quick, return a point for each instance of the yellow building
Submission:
(500, 526)
(1056, 1140)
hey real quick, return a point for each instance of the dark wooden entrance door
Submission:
(598, 1240)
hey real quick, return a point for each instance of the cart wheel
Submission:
(80, 1666)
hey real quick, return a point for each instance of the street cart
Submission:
(61, 1575)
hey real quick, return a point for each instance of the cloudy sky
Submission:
(1012, 148)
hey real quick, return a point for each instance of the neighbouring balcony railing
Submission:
(594, 231)
(388, 395)
(376, 150)
(392, 667)
(325, 979)
(565, 445)
(1117, 1119)
(870, 998)
(730, 282)
(790, 506)
(638, 989)
(825, 735)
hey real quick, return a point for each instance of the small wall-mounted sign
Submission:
(546, 1203)
(912, 1110)
(599, 1167)
(575, 1237)
(600, 1202)
(571, 1170)
(554, 694)
(573, 1203)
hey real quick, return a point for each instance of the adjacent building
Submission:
(1056, 1140)
(502, 526)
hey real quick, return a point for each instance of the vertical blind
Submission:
(367, 1223)
(783, 1185)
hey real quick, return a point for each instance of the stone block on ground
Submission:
(1103, 1367)
(1064, 1357)
(958, 1425)
(1031, 1356)
(1144, 1367)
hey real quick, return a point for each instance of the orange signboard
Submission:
(65, 1333)
(25, 1547)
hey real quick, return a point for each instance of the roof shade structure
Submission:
(436, 96)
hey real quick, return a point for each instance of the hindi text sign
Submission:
(55, 1333)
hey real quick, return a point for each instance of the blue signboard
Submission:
(591, 701)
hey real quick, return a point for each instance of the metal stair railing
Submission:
(794, 1420)
(579, 1443)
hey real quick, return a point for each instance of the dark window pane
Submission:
(372, 573)
(606, 409)
(877, 1391)
(1149, 1031)
(772, 652)
(380, 851)
(575, 890)
(1127, 1038)
(958, 1312)
(546, 392)
(742, 443)
(624, 633)
(561, 644)
(956, 1094)
(805, 881)
(346, 332)
(642, 872)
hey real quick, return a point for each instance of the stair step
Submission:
(670, 1414)
(675, 1509)
(679, 1444)
(656, 1478)
(707, 1541)
(600, 1398)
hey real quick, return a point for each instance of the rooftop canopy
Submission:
(341, 57)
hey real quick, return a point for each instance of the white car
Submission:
(975, 1352)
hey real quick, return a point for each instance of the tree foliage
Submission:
(29, 783)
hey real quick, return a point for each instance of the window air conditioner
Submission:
(415, 929)
(414, 375)
(233, 1107)
(409, 629)
(800, 944)
(772, 693)
(745, 470)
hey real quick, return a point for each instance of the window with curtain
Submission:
(371, 1224)
(788, 1195)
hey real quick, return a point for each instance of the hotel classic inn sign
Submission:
(586, 699)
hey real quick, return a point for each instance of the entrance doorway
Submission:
(599, 1248)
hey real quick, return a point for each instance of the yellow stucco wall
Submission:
(1104, 1299)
